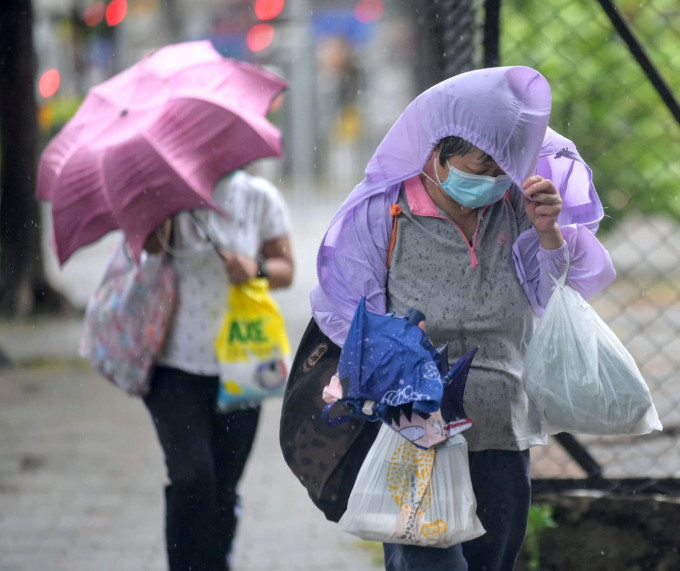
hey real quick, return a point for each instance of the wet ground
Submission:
(81, 474)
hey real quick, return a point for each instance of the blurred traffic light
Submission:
(98, 18)
(261, 35)
(116, 12)
(368, 11)
(94, 14)
(49, 83)
(269, 9)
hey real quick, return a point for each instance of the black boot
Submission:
(191, 528)
(228, 516)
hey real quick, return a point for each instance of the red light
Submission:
(268, 9)
(94, 14)
(260, 37)
(116, 12)
(368, 11)
(49, 83)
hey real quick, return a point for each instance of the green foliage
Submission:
(601, 97)
(55, 113)
(540, 518)
(375, 548)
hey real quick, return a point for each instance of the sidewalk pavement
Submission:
(81, 472)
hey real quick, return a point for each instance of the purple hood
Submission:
(504, 111)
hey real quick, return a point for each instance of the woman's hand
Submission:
(278, 258)
(239, 268)
(543, 204)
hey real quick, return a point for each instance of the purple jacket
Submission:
(503, 111)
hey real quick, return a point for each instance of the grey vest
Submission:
(431, 269)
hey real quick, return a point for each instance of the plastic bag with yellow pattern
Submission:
(405, 494)
(252, 347)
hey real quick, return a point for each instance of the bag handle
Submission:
(562, 280)
(203, 228)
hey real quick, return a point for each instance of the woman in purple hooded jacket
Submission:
(482, 202)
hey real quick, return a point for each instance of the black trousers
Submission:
(205, 454)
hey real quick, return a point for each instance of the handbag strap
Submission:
(200, 224)
(166, 243)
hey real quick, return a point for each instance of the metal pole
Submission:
(492, 32)
(638, 52)
(456, 20)
(302, 96)
(579, 454)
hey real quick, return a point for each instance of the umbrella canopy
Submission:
(389, 370)
(390, 361)
(152, 141)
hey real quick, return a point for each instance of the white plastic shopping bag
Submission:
(580, 376)
(405, 494)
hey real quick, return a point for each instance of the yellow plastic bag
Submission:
(252, 346)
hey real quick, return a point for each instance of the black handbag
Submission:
(324, 457)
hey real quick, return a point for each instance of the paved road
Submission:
(81, 473)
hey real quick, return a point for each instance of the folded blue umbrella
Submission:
(390, 361)
(428, 430)
(454, 387)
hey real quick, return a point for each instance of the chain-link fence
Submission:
(612, 67)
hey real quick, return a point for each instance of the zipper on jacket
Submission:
(474, 261)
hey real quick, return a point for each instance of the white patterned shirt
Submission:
(259, 214)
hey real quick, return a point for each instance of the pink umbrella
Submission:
(154, 140)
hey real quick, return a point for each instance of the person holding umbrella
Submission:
(206, 450)
(157, 151)
(470, 203)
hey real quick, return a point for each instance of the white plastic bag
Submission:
(579, 375)
(405, 494)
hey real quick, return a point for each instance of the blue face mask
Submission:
(473, 190)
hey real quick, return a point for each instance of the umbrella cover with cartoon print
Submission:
(390, 371)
